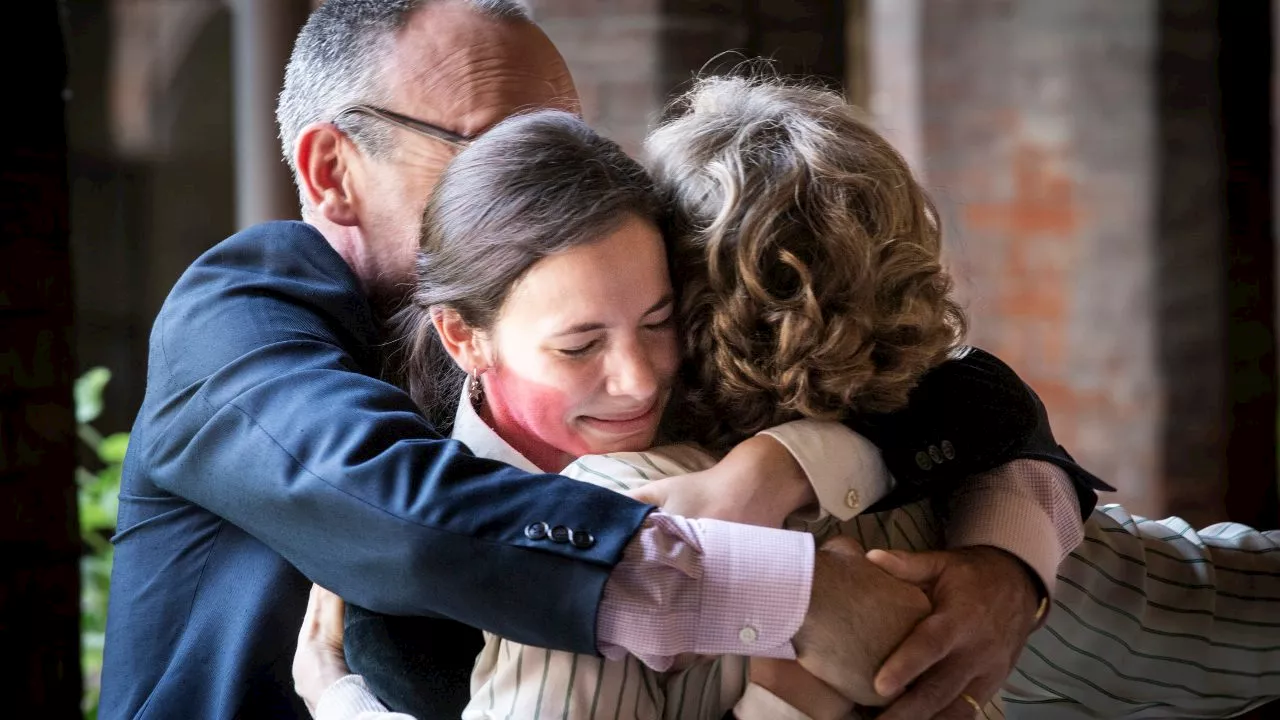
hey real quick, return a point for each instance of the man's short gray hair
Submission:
(338, 59)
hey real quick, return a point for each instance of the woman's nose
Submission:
(633, 375)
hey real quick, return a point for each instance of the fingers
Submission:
(970, 703)
(935, 695)
(309, 623)
(918, 568)
(931, 641)
(962, 709)
(324, 618)
(843, 545)
(330, 612)
(647, 494)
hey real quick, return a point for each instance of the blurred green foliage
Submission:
(98, 488)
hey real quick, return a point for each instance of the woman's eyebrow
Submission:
(666, 300)
(580, 328)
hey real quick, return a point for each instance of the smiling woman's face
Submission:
(583, 352)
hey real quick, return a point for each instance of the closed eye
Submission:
(665, 306)
(662, 324)
(580, 350)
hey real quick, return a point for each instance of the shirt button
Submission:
(935, 455)
(852, 501)
(560, 534)
(923, 461)
(536, 531)
(948, 450)
(748, 635)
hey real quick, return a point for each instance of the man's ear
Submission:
(465, 344)
(324, 158)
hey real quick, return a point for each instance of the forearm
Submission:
(341, 476)
(782, 690)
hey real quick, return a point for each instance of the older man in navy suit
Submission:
(267, 455)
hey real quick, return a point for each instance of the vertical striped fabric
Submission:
(519, 682)
(516, 681)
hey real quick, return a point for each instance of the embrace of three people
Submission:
(578, 435)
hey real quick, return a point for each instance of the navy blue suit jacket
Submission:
(266, 456)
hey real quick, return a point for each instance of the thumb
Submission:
(651, 494)
(329, 615)
(917, 568)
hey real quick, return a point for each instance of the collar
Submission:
(475, 433)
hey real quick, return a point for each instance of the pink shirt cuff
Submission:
(706, 587)
(1027, 508)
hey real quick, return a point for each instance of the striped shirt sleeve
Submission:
(1154, 620)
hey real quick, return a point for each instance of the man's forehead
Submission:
(454, 66)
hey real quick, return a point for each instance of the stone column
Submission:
(262, 40)
(893, 33)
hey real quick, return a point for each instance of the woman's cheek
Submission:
(537, 412)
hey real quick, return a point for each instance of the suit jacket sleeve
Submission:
(260, 408)
(968, 416)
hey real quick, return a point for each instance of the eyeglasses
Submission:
(418, 126)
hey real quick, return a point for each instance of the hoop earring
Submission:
(477, 390)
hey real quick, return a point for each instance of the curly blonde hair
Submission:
(807, 255)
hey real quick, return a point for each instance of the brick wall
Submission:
(39, 541)
(627, 56)
(610, 48)
(1102, 171)
(1038, 135)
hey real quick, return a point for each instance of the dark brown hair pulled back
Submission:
(532, 186)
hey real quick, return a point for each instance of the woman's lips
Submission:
(624, 424)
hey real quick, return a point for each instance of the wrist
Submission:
(312, 683)
(795, 686)
(779, 476)
(1031, 586)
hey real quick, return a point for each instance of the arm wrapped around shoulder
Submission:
(967, 416)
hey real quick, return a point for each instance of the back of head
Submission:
(807, 255)
(338, 57)
(532, 186)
